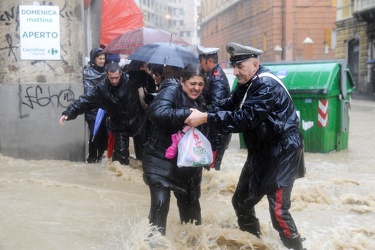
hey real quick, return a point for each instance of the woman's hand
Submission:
(196, 118)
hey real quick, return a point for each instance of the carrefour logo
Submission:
(53, 51)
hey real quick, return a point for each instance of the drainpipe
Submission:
(283, 29)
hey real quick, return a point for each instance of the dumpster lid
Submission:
(319, 77)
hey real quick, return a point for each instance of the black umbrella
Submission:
(165, 53)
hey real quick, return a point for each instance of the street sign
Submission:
(39, 32)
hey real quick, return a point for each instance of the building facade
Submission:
(286, 30)
(176, 16)
(356, 42)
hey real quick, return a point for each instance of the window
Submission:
(328, 37)
(353, 58)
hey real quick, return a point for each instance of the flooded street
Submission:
(70, 205)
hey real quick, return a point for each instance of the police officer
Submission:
(217, 89)
(262, 109)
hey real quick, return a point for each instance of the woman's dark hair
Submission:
(94, 53)
(135, 64)
(157, 69)
(171, 72)
(191, 70)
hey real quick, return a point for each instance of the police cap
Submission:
(239, 53)
(204, 52)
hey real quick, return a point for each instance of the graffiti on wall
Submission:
(41, 96)
(44, 96)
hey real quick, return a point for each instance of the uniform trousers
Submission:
(247, 195)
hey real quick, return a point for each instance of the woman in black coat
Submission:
(93, 74)
(167, 113)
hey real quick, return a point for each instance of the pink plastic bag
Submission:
(194, 150)
(171, 151)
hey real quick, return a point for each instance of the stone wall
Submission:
(349, 29)
(33, 93)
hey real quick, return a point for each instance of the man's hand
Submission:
(63, 119)
(196, 118)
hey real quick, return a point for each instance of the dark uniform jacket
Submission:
(120, 102)
(217, 89)
(270, 127)
(218, 86)
(167, 113)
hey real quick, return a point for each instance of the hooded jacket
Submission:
(91, 78)
(167, 113)
(121, 103)
(270, 127)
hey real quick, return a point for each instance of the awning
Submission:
(119, 16)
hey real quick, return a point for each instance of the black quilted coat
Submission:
(167, 113)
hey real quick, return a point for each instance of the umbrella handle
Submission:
(165, 60)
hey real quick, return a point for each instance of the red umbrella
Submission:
(129, 41)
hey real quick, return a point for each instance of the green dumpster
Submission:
(321, 93)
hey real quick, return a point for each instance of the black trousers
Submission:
(160, 199)
(224, 143)
(100, 142)
(121, 148)
(139, 143)
(246, 197)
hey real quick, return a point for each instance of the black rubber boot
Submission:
(122, 160)
(91, 160)
(294, 243)
(253, 228)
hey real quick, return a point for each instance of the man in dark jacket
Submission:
(217, 89)
(118, 96)
(262, 109)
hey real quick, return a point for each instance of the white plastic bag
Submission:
(194, 150)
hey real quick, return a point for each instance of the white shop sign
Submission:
(39, 32)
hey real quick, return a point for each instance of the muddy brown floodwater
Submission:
(72, 205)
